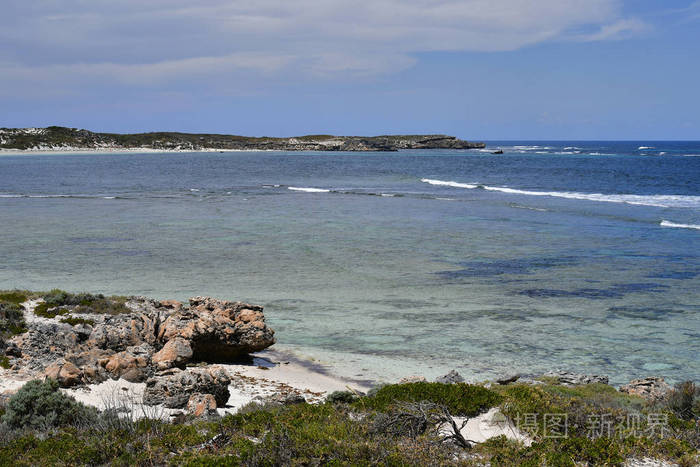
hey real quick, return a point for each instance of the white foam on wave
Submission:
(661, 201)
(641, 148)
(308, 190)
(665, 223)
(471, 186)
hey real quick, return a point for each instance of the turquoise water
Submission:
(579, 256)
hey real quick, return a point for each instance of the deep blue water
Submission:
(573, 255)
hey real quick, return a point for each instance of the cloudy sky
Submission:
(481, 69)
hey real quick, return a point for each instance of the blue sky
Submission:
(478, 69)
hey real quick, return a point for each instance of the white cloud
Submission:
(137, 42)
(620, 29)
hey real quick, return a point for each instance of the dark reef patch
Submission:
(507, 266)
(616, 291)
(650, 313)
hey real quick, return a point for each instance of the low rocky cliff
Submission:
(144, 339)
(60, 138)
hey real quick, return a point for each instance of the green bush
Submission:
(11, 319)
(4, 362)
(14, 296)
(77, 321)
(79, 303)
(341, 396)
(681, 399)
(459, 399)
(41, 405)
(48, 310)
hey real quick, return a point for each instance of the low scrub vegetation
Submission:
(11, 314)
(459, 399)
(391, 427)
(59, 302)
(39, 405)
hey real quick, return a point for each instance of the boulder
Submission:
(450, 378)
(176, 352)
(575, 379)
(174, 387)
(652, 388)
(131, 364)
(171, 304)
(66, 373)
(118, 332)
(507, 379)
(202, 405)
(218, 330)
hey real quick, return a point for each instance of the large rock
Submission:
(176, 352)
(174, 387)
(652, 388)
(575, 379)
(201, 405)
(450, 378)
(218, 330)
(131, 364)
(66, 373)
(118, 332)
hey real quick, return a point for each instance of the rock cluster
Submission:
(450, 378)
(174, 388)
(574, 379)
(152, 344)
(652, 388)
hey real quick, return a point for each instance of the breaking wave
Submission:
(665, 223)
(308, 190)
(662, 201)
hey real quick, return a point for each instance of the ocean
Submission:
(581, 256)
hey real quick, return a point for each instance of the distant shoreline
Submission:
(56, 138)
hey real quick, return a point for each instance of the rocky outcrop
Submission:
(652, 388)
(175, 353)
(218, 330)
(575, 379)
(174, 387)
(137, 345)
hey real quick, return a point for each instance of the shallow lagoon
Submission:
(384, 274)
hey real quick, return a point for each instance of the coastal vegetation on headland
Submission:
(562, 419)
(61, 138)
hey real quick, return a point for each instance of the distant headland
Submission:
(55, 138)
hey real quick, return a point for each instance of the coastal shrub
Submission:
(681, 399)
(80, 303)
(11, 319)
(460, 398)
(77, 321)
(341, 397)
(4, 362)
(48, 310)
(40, 405)
(14, 296)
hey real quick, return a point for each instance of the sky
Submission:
(476, 69)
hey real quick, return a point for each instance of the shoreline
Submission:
(141, 150)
